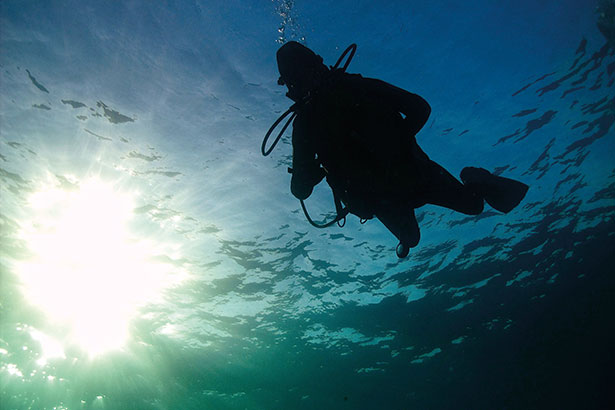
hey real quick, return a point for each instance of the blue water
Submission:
(151, 258)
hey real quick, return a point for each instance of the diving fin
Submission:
(502, 194)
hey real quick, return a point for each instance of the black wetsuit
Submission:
(360, 133)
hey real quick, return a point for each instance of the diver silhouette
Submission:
(359, 134)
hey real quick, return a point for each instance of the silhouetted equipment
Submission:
(341, 212)
(359, 133)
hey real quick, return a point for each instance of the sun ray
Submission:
(87, 269)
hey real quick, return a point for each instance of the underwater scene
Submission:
(152, 258)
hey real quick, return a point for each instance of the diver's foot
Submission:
(402, 250)
(502, 194)
(470, 175)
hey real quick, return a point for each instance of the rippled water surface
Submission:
(151, 258)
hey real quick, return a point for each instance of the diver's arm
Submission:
(306, 169)
(413, 106)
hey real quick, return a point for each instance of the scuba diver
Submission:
(359, 134)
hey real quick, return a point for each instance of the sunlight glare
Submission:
(50, 348)
(87, 270)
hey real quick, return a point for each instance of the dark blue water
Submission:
(151, 258)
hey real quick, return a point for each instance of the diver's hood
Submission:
(296, 64)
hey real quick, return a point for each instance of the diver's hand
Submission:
(302, 185)
(318, 176)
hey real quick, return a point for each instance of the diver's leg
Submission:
(503, 194)
(442, 189)
(400, 220)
